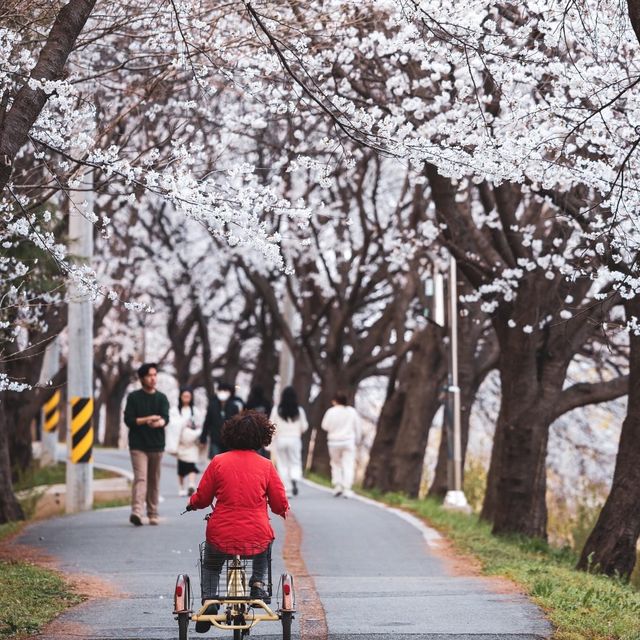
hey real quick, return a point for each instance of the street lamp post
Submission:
(455, 498)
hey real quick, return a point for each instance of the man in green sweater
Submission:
(146, 414)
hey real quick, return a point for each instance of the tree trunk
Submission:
(426, 373)
(531, 382)
(19, 411)
(611, 547)
(266, 366)
(377, 474)
(113, 411)
(10, 509)
(29, 101)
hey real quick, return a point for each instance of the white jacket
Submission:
(288, 428)
(342, 425)
(187, 437)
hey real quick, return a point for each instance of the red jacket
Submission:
(243, 482)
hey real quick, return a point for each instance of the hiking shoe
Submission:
(135, 520)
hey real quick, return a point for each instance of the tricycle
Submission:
(234, 607)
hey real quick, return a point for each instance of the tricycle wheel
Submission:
(287, 617)
(183, 626)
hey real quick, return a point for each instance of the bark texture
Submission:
(611, 547)
(10, 509)
(28, 102)
(397, 454)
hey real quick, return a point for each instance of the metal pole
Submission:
(51, 408)
(80, 433)
(455, 498)
(286, 356)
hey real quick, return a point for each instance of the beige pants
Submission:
(146, 482)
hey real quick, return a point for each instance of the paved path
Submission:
(374, 573)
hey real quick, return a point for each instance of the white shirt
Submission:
(342, 425)
(184, 438)
(289, 428)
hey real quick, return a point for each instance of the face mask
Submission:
(223, 396)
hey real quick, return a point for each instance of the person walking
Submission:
(186, 423)
(146, 414)
(221, 407)
(342, 424)
(258, 401)
(291, 422)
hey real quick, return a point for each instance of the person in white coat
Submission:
(342, 424)
(186, 425)
(291, 422)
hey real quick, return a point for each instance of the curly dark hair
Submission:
(247, 430)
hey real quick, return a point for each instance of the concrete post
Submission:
(80, 433)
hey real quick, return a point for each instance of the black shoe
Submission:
(258, 593)
(295, 487)
(202, 626)
(135, 520)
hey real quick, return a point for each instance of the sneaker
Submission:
(337, 491)
(182, 493)
(135, 520)
(191, 491)
(348, 493)
(154, 520)
(295, 487)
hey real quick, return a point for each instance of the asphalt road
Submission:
(375, 574)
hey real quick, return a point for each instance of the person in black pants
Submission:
(221, 407)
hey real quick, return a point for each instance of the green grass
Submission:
(581, 606)
(109, 504)
(30, 597)
(317, 478)
(36, 476)
(9, 529)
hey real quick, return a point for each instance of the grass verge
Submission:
(36, 476)
(30, 596)
(581, 606)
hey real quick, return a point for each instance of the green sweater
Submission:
(139, 404)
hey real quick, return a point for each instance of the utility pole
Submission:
(80, 433)
(455, 498)
(286, 356)
(50, 418)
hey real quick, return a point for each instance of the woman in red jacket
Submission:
(243, 484)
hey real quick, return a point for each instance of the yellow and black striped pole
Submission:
(51, 411)
(81, 430)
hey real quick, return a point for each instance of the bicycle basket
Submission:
(227, 576)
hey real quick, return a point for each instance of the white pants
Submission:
(289, 459)
(343, 465)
